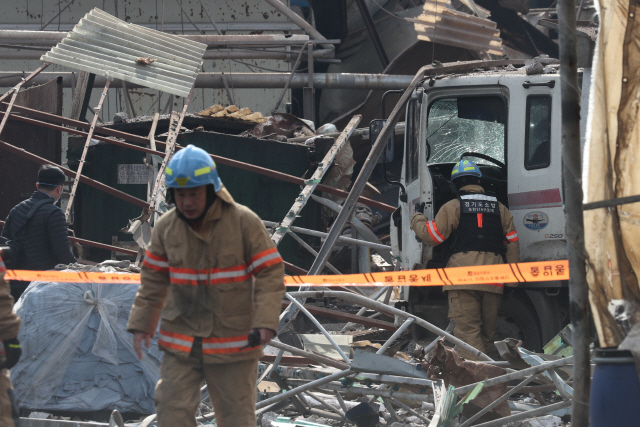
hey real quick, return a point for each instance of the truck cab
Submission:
(509, 123)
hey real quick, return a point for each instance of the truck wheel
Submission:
(517, 319)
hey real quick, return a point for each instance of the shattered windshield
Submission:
(466, 124)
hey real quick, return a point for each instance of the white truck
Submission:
(509, 123)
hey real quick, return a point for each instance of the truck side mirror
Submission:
(375, 127)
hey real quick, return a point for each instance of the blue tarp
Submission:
(77, 355)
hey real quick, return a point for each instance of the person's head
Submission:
(192, 180)
(50, 180)
(464, 173)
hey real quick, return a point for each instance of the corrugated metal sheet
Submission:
(440, 24)
(106, 46)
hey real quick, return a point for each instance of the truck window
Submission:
(412, 130)
(537, 151)
(466, 124)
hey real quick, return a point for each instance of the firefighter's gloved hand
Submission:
(13, 352)
(419, 207)
(416, 219)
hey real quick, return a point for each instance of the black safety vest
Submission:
(480, 226)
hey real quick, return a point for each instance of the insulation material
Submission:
(77, 355)
(441, 24)
(612, 236)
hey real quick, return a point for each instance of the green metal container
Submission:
(99, 216)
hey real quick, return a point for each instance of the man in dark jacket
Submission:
(43, 240)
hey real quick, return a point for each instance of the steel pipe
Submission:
(320, 327)
(305, 387)
(51, 38)
(518, 374)
(396, 335)
(247, 80)
(527, 414)
(365, 391)
(343, 239)
(375, 305)
(34, 55)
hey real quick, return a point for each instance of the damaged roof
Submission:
(107, 46)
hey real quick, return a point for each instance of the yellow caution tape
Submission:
(542, 271)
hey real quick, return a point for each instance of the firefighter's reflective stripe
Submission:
(264, 259)
(156, 262)
(478, 197)
(184, 343)
(513, 236)
(215, 276)
(226, 345)
(434, 233)
(175, 341)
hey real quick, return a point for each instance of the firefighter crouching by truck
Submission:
(215, 278)
(483, 233)
(9, 327)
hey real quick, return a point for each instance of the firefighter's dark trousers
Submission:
(476, 315)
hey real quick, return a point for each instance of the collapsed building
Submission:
(278, 161)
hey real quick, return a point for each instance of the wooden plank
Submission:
(347, 317)
(170, 147)
(82, 95)
(76, 179)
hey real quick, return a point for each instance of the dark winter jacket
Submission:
(44, 241)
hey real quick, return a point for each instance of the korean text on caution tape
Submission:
(543, 271)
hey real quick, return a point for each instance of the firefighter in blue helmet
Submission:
(214, 281)
(482, 233)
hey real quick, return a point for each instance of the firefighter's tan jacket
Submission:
(9, 320)
(437, 231)
(216, 283)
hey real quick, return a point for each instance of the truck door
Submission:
(535, 172)
(413, 181)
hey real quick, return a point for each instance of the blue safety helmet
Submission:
(192, 167)
(465, 168)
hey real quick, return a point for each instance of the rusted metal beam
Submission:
(24, 81)
(16, 90)
(294, 268)
(82, 133)
(347, 317)
(92, 182)
(103, 246)
(136, 138)
(85, 150)
(96, 244)
(79, 124)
